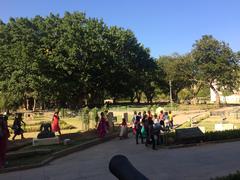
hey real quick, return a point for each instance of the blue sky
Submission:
(164, 26)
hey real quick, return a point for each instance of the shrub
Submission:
(221, 135)
(235, 176)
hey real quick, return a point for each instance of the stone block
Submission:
(223, 127)
(45, 141)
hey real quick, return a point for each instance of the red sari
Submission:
(55, 123)
(3, 143)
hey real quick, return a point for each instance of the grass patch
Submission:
(26, 161)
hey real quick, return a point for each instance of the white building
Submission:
(232, 99)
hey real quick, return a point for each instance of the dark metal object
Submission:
(122, 168)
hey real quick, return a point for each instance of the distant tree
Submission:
(216, 64)
(178, 70)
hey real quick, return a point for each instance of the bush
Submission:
(212, 136)
(221, 135)
(235, 176)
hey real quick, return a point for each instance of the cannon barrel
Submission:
(122, 168)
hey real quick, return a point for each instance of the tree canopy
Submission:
(74, 60)
(69, 61)
(216, 64)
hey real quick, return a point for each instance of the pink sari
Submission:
(102, 128)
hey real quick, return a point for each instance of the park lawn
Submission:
(76, 122)
(181, 107)
(209, 123)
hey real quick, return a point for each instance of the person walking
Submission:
(55, 122)
(17, 126)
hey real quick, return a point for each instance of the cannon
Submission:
(123, 169)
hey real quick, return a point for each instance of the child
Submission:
(170, 119)
(124, 129)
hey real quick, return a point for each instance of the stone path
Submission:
(193, 163)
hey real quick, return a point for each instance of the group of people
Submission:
(18, 130)
(147, 126)
(18, 123)
(105, 124)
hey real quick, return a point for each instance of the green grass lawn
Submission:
(210, 122)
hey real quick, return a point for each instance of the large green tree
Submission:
(70, 60)
(216, 64)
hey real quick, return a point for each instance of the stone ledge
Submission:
(14, 155)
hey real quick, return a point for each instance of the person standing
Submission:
(148, 126)
(161, 116)
(170, 119)
(4, 135)
(166, 120)
(102, 126)
(138, 127)
(123, 129)
(133, 122)
(55, 122)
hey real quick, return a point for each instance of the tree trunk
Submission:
(218, 102)
(195, 90)
(34, 104)
(175, 96)
(139, 96)
(132, 98)
(27, 104)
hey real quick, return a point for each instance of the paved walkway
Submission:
(201, 162)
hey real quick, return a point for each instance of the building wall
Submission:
(232, 99)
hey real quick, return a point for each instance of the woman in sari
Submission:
(102, 126)
(55, 123)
